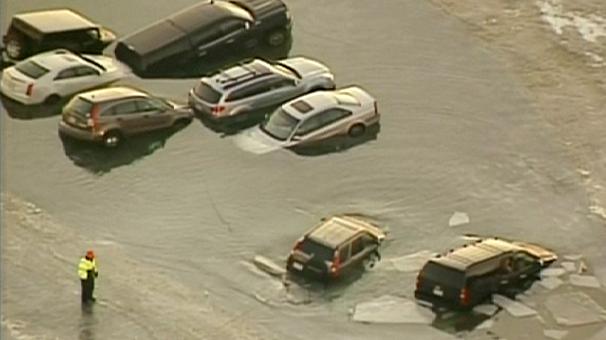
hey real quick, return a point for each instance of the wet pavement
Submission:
(177, 217)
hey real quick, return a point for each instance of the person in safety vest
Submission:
(88, 272)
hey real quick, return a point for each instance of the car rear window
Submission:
(446, 275)
(79, 106)
(31, 69)
(318, 250)
(207, 93)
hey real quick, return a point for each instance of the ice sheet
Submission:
(410, 263)
(486, 309)
(555, 334)
(569, 266)
(514, 308)
(584, 281)
(458, 218)
(268, 266)
(551, 282)
(574, 309)
(573, 257)
(553, 272)
(392, 309)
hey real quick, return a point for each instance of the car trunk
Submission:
(78, 113)
(438, 283)
(312, 256)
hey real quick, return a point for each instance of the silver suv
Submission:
(231, 93)
(108, 115)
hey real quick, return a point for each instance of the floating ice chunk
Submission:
(584, 281)
(555, 334)
(597, 210)
(569, 266)
(573, 257)
(486, 309)
(412, 262)
(486, 324)
(268, 266)
(551, 282)
(553, 272)
(392, 309)
(458, 219)
(514, 308)
(574, 309)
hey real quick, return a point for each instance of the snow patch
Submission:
(392, 309)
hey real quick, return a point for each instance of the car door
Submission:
(211, 39)
(282, 90)
(126, 116)
(154, 114)
(252, 96)
(75, 79)
(322, 125)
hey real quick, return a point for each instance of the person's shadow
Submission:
(88, 323)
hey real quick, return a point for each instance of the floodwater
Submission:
(176, 217)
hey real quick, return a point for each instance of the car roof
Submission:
(317, 100)
(58, 60)
(477, 252)
(197, 16)
(337, 229)
(112, 93)
(57, 20)
(239, 75)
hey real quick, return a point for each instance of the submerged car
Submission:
(49, 76)
(35, 32)
(205, 29)
(320, 115)
(334, 247)
(111, 114)
(241, 89)
(465, 277)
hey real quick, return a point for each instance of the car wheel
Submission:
(276, 38)
(357, 130)
(112, 139)
(370, 262)
(52, 99)
(15, 47)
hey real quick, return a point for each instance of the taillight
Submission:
(336, 263)
(299, 244)
(376, 108)
(29, 90)
(93, 121)
(217, 109)
(464, 296)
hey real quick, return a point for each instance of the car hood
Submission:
(305, 67)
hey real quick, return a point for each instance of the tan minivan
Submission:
(108, 115)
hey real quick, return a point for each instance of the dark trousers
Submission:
(88, 286)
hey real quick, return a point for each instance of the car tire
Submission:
(52, 99)
(112, 138)
(15, 47)
(370, 262)
(357, 130)
(276, 38)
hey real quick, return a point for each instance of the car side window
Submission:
(357, 246)
(146, 105)
(68, 73)
(86, 71)
(232, 26)
(310, 125)
(124, 108)
(280, 83)
(332, 115)
(205, 35)
(344, 252)
(249, 91)
(522, 261)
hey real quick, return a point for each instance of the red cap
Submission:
(90, 253)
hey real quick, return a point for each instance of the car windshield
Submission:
(280, 124)
(79, 106)
(317, 250)
(31, 69)
(207, 93)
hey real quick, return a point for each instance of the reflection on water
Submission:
(88, 323)
(234, 125)
(211, 64)
(99, 159)
(338, 143)
(19, 111)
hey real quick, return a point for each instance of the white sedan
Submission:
(47, 77)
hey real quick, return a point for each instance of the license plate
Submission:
(437, 290)
(297, 266)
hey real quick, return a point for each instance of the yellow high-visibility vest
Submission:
(86, 265)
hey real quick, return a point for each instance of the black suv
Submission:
(468, 275)
(205, 29)
(335, 247)
(34, 32)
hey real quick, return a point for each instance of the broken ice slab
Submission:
(412, 262)
(268, 266)
(569, 266)
(486, 309)
(458, 219)
(601, 335)
(555, 334)
(551, 282)
(514, 308)
(573, 257)
(485, 324)
(584, 281)
(574, 309)
(553, 272)
(392, 309)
